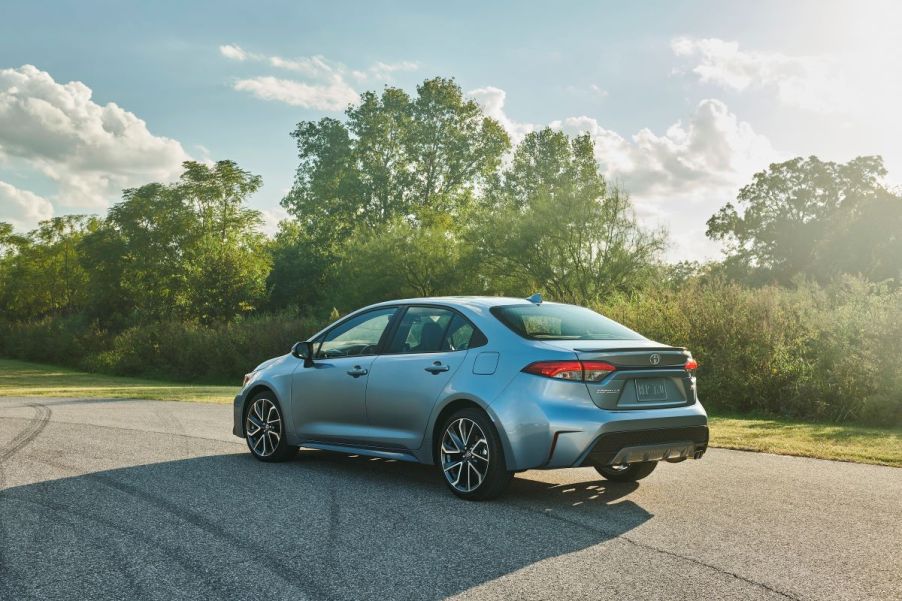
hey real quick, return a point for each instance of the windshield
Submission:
(561, 322)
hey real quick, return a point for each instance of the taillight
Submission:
(581, 371)
(564, 370)
(595, 371)
(691, 365)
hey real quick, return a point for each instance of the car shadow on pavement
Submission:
(322, 526)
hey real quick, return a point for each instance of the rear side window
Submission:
(549, 321)
(432, 330)
(459, 335)
(422, 330)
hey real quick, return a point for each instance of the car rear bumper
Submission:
(547, 424)
(674, 444)
(678, 433)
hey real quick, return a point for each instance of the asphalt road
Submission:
(156, 500)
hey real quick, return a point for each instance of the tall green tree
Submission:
(188, 250)
(42, 272)
(8, 238)
(814, 218)
(554, 225)
(300, 265)
(453, 149)
(10, 242)
(109, 296)
(231, 260)
(396, 157)
(402, 259)
(156, 233)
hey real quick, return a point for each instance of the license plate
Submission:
(651, 389)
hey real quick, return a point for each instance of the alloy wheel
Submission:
(464, 455)
(263, 427)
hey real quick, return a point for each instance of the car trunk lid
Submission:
(648, 375)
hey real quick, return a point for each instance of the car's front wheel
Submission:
(471, 457)
(264, 429)
(627, 473)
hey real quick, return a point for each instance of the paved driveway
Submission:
(156, 500)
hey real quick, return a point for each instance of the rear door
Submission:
(428, 346)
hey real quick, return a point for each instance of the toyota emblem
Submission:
(654, 358)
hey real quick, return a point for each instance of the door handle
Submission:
(357, 371)
(437, 368)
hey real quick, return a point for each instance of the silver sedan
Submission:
(482, 387)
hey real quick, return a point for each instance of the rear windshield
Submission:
(561, 322)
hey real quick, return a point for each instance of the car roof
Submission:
(475, 307)
(474, 302)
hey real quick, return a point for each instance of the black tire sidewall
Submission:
(497, 477)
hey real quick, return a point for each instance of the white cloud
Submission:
(840, 83)
(680, 177)
(327, 86)
(492, 101)
(233, 52)
(21, 208)
(385, 71)
(677, 178)
(710, 150)
(837, 103)
(313, 66)
(320, 66)
(332, 96)
(272, 217)
(592, 92)
(90, 151)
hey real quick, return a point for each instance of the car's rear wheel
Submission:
(264, 429)
(471, 457)
(627, 473)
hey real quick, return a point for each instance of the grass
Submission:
(882, 446)
(18, 378)
(861, 444)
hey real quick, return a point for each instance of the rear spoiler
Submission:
(632, 349)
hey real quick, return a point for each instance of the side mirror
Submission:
(303, 350)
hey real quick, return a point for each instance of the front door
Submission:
(428, 347)
(328, 399)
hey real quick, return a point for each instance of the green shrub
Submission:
(60, 340)
(819, 352)
(193, 351)
(172, 350)
(811, 352)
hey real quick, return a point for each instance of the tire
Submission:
(630, 473)
(470, 456)
(268, 442)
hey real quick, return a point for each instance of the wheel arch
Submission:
(449, 409)
(253, 392)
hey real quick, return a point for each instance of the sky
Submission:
(685, 100)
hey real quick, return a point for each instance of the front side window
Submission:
(561, 322)
(359, 335)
